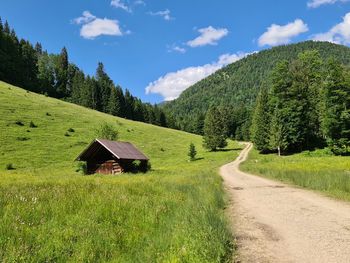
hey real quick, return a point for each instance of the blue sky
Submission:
(157, 49)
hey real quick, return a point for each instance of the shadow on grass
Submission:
(228, 150)
(197, 159)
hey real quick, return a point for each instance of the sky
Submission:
(158, 48)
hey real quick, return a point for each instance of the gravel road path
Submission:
(274, 222)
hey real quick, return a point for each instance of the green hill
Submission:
(238, 84)
(51, 213)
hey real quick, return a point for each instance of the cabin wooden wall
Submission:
(107, 167)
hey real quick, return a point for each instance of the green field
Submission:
(318, 170)
(51, 213)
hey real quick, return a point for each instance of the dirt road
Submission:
(274, 222)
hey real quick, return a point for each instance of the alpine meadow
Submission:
(158, 131)
(51, 212)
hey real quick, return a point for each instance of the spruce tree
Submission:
(214, 130)
(307, 77)
(278, 139)
(7, 29)
(62, 73)
(336, 107)
(283, 124)
(105, 86)
(113, 103)
(192, 152)
(260, 128)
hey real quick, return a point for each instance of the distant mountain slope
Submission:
(238, 84)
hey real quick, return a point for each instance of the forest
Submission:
(34, 69)
(306, 105)
(236, 87)
(303, 105)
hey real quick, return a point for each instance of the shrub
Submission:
(107, 131)
(19, 123)
(9, 166)
(81, 168)
(48, 114)
(71, 130)
(32, 125)
(145, 166)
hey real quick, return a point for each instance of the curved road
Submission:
(275, 222)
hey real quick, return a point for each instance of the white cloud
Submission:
(121, 5)
(318, 3)
(171, 85)
(85, 18)
(139, 2)
(339, 33)
(208, 36)
(176, 49)
(277, 35)
(165, 14)
(93, 26)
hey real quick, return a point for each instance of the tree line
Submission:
(303, 105)
(237, 85)
(306, 105)
(34, 69)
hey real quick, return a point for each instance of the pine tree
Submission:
(214, 130)
(260, 127)
(192, 152)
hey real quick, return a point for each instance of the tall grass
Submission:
(50, 213)
(313, 170)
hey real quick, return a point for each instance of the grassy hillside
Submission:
(49, 212)
(316, 170)
(238, 84)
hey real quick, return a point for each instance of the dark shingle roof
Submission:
(120, 150)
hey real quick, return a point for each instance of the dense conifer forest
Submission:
(34, 69)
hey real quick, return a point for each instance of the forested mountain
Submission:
(237, 85)
(34, 69)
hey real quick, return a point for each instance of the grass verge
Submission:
(317, 170)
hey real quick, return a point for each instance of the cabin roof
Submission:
(120, 150)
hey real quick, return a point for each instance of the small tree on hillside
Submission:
(107, 131)
(192, 152)
(215, 133)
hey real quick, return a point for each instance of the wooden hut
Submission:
(110, 157)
